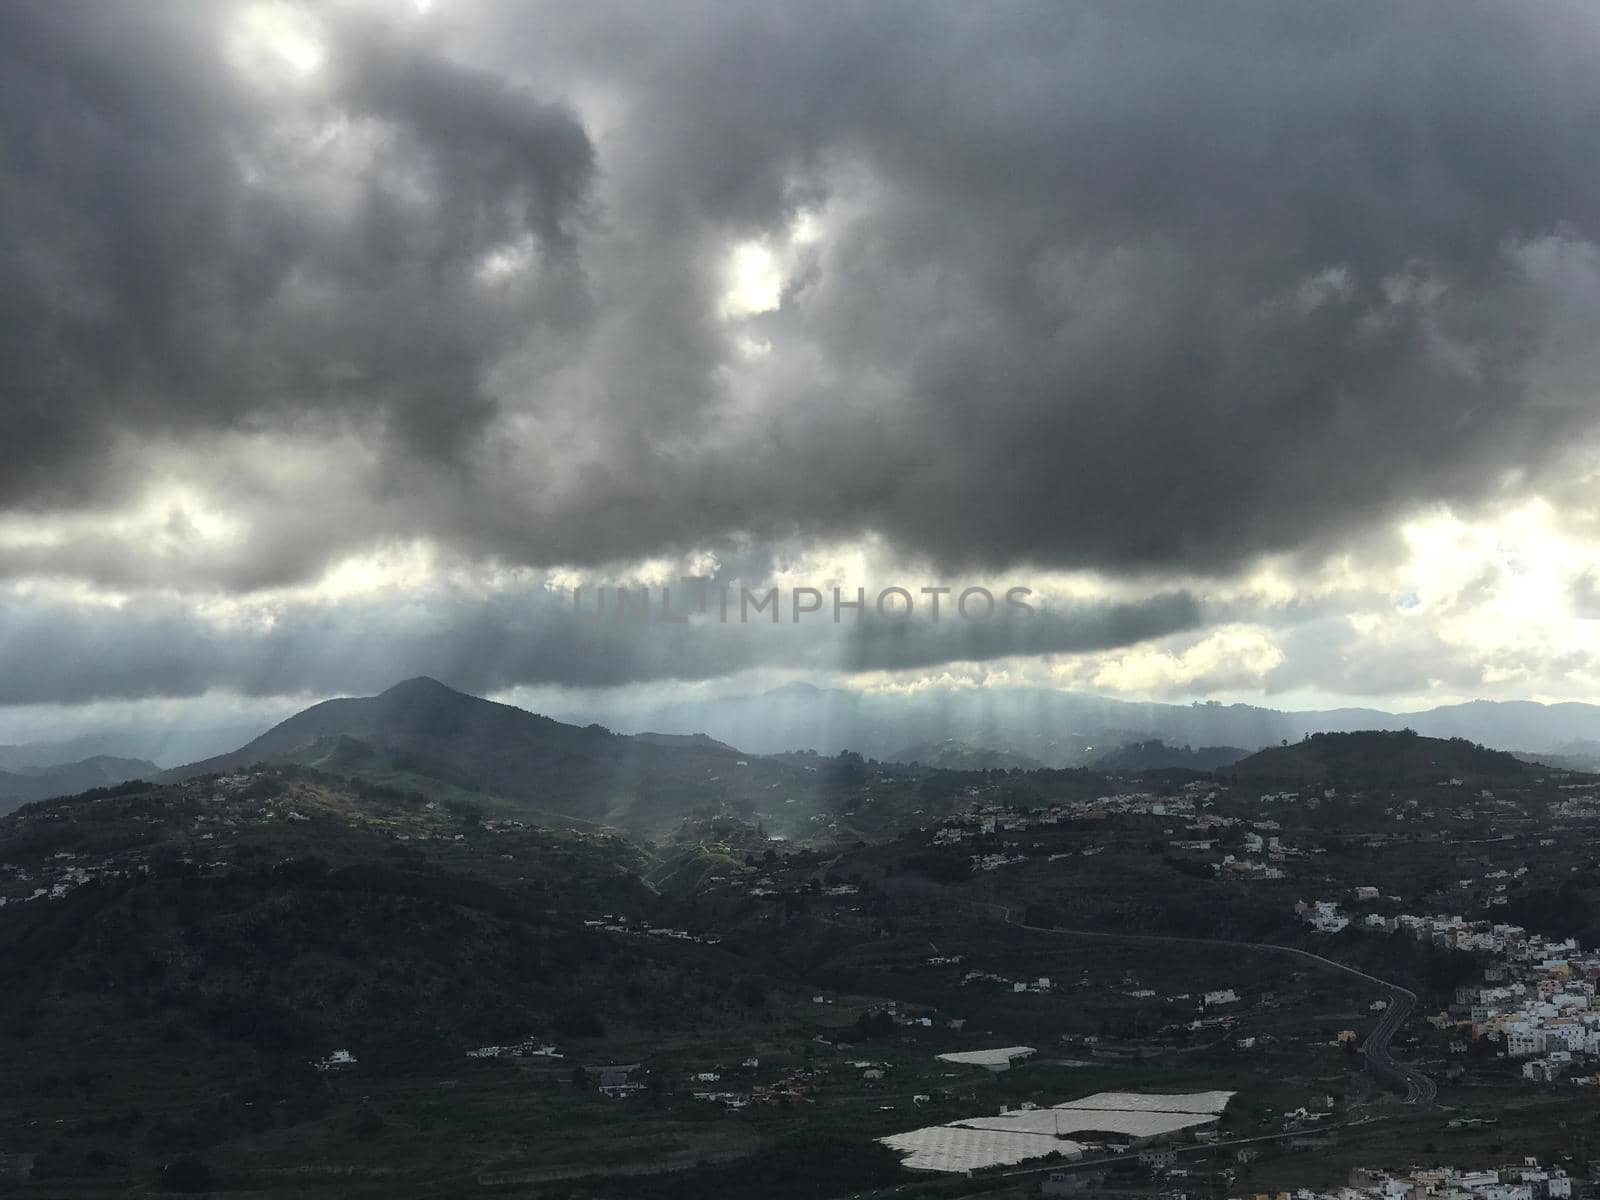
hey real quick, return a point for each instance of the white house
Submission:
(1523, 1039)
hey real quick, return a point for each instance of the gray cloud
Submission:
(160, 647)
(887, 645)
(1070, 311)
(1129, 286)
(1584, 592)
(183, 253)
(1411, 659)
(1119, 285)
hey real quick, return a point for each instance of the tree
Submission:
(751, 991)
(186, 1174)
(655, 1086)
(875, 1024)
(368, 1123)
(467, 812)
(577, 1022)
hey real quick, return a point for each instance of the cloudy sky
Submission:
(340, 341)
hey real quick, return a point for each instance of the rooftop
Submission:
(1192, 1102)
(987, 1058)
(951, 1148)
(971, 1143)
(1067, 1121)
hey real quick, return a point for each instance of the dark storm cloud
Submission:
(176, 257)
(889, 645)
(1147, 287)
(1129, 285)
(1086, 266)
(156, 647)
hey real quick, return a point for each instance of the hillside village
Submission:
(1537, 1000)
(1527, 1180)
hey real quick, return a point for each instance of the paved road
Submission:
(1375, 1049)
(681, 1160)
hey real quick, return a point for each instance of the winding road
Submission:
(1375, 1048)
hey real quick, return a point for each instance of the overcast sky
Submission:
(339, 341)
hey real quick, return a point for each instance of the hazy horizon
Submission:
(180, 732)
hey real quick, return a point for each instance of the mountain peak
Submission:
(420, 685)
(797, 688)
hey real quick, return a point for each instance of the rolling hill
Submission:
(1061, 728)
(1375, 758)
(179, 955)
(426, 735)
(18, 787)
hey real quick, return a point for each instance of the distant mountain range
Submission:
(671, 757)
(149, 741)
(1062, 729)
(21, 786)
(423, 734)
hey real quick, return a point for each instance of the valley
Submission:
(775, 958)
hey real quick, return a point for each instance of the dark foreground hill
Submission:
(178, 957)
(1378, 758)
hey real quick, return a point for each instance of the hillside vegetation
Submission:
(1377, 758)
(19, 786)
(422, 733)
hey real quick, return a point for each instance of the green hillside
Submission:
(1379, 758)
(423, 735)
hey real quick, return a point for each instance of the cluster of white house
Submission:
(1039, 986)
(608, 923)
(1524, 1181)
(528, 1047)
(1541, 1002)
(1262, 850)
(987, 819)
(1576, 808)
(60, 873)
(1538, 996)
(1247, 868)
(1323, 916)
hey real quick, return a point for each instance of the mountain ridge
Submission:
(19, 787)
(423, 731)
(1062, 729)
